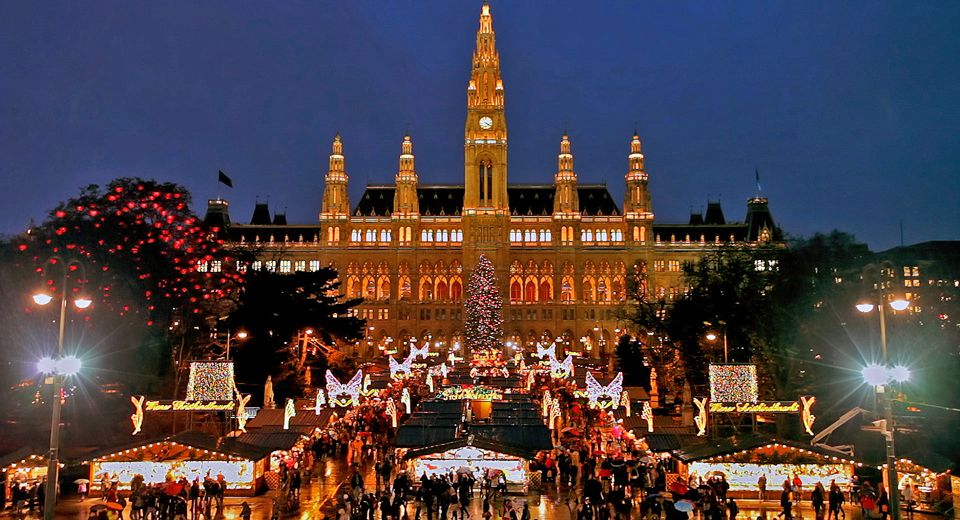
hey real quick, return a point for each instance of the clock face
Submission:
(486, 123)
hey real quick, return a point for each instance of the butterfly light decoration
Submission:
(544, 353)
(421, 352)
(335, 389)
(401, 370)
(600, 396)
(561, 370)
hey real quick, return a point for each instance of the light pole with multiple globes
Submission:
(59, 368)
(880, 376)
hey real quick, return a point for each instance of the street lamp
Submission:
(880, 375)
(712, 336)
(60, 368)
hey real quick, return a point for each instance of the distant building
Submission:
(928, 274)
(563, 251)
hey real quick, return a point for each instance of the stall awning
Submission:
(306, 420)
(482, 444)
(32, 456)
(189, 445)
(743, 444)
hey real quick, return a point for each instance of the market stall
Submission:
(188, 455)
(478, 457)
(24, 467)
(742, 460)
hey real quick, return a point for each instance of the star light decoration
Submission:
(405, 399)
(806, 413)
(647, 415)
(344, 395)
(600, 396)
(561, 370)
(210, 381)
(733, 383)
(401, 370)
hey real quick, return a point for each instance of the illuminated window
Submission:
(300, 265)
(616, 235)
(658, 266)
(257, 265)
(673, 266)
(203, 267)
(241, 266)
(355, 235)
(314, 265)
(271, 266)
(216, 266)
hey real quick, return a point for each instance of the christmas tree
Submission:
(484, 318)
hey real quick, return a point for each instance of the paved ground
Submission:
(318, 497)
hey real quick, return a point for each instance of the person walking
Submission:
(786, 502)
(835, 502)
(762, 486)
(817, 498)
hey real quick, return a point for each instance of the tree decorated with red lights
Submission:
(483, 327)
(140, 246)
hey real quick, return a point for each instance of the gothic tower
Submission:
(637, 208)
(485, 144)
(566, 202)
(405, 204)
(336, 200)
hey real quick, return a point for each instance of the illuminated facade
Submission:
(562, 250)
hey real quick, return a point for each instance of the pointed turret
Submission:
(636, 205)
(485, 143)
(336, 201)
(405, 204)
(566, 203)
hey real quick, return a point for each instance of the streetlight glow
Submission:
(899, 305)
(82, 303)
(42, 298)
(68, 365)
(864, 307)
(900, 374)
(711, 336)
(242, 334)
(46, 365)
(875, 375)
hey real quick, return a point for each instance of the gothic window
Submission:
(355, 235)
(588, 289)
(300, 265)
(456, 288)
(369, 288)
(530, 290)
(516, 290)
(353, 287)
(405, 289)
(383, 288)
(441, 292)
(314, 265)
(426, 288)
(546, 289)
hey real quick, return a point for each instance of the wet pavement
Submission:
(319, 499)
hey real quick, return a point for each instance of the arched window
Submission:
(405, 289)
(567, 293)
(441, 292)
(355, 235)
(456, 288)
(369, 287)
(383, 287)
(603, 289)
(426, 288)
(530, 290)
(516, 290)
(546, 289)
(588, 289)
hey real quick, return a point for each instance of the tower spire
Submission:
(636, 205)
(566, 203)
(336, 202)
(405, 203)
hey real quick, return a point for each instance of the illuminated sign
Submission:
(761, 407)
(480, 393)
(188, 406)
(733, 383)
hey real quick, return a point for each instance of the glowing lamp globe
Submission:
(900, 373)
(46, 365)
(875, 375)
(899, 305)
(711, 336)
(68, 365)
(42, 298)
(242, 334)
(82, 303)
(864, 307)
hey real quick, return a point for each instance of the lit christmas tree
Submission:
(484, 324)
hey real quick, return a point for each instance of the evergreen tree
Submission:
(484, 309)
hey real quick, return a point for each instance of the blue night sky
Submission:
(850, 110)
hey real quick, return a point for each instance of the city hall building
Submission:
(563, 250)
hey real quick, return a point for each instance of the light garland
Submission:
(554, 413)
(544, 353)
(701, 418)
(647, 415)
(289, 411)
(806, 415)
(733, 383)
(610, 393)
(405, 399)
(625, 403)
(352, 389)
(546, 403)
(137, 417)
(474, 373)
(210, 381)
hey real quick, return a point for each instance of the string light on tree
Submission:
(483, 326)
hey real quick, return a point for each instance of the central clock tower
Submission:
(485, 135)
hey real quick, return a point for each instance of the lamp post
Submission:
(712, 336)
(879, 376)
(59, 368)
